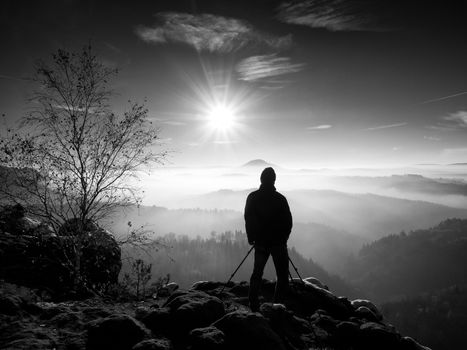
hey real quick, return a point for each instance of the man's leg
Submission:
(280, 257)
(261, 258)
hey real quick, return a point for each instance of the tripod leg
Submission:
(296, 270)
(241, 263)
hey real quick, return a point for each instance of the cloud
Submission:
(334, 15)
(380, 127)
(320, 127)
(451, 122)
(207, 32)
(431, 138)
(457, 119)
(263, 67)
(444, 97)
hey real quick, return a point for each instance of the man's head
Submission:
(268, 176)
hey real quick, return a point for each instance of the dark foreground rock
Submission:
(32, 255)
(205, 318)
(117, 332)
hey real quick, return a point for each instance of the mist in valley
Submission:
(335, 212)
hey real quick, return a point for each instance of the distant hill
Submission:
(404, 265)
(367, 215)
(257, 163)
(411, 183)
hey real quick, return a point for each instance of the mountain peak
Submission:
(257, 163)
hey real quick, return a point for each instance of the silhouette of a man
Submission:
(268, 223)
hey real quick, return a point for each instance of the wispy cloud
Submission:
(263, 67)
(207, 32)
(431, 138)
(453, 121)
(444, 98)
(320, 127)
(334, 15)
(388, 126)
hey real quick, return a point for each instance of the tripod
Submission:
(246, 256)
(241, 263)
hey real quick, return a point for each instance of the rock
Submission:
(240, 289)
(10, 304)
(117, 332)
(142, 312)
(362, 302)
(93, 312)
(153, 344)
(249, 331)
(195, 309)
(378, 336)
(50, 310)
(316, 282)
(27, 336)
(208, 338)
(366, 313)
(293, 330)
(347, 333)
(159, 321)
(67, 320)
(306, 298)
(208, 285)
(167, 289)
(324, 321)
(34, 257)
(408, 343)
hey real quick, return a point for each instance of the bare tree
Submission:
(72, 157)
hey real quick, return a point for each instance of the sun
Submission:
(221, 117)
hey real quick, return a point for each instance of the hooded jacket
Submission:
(268, 220)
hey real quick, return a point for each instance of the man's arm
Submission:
(288, 223)
(250, 221)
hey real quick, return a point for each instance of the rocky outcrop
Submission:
(32, 255)
(195, 319)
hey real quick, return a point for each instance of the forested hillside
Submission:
(437, 319)
(409, 264)
(215, 258)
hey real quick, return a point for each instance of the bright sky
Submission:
(298, 83)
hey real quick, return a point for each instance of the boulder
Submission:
(366, 313)
(208, 338)
(347, 333)
(306, 298)
(316, 282)
(194, 309)
(117, 332)
(209, 285)
(366, 303)
(408, 343)
(153, 344)
(34, 257)
(378, 336)
(10, 304)
(159, 321)
(294, 331)
(249, 331)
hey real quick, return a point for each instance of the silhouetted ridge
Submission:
(257, 163)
